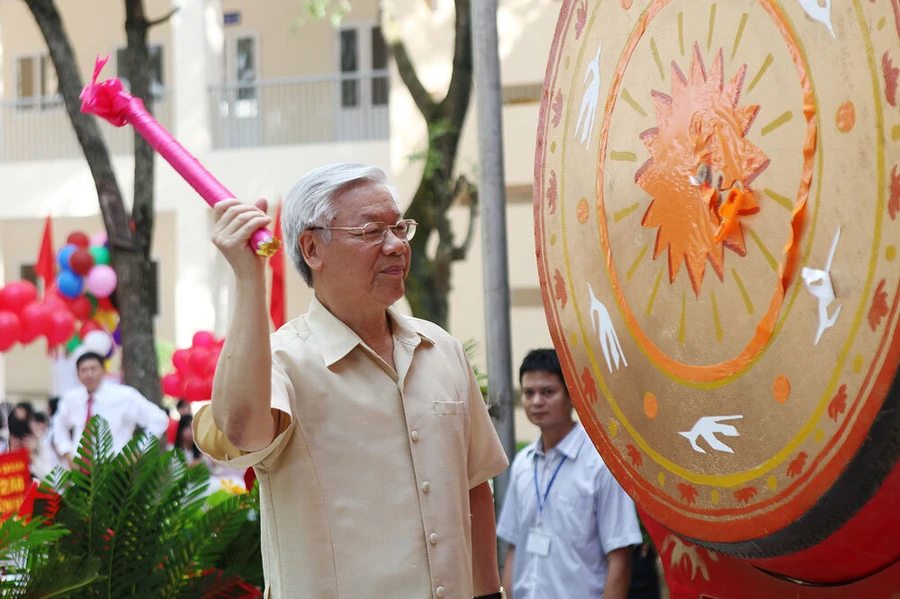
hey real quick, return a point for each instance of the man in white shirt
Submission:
(123, 408)
(570, 525)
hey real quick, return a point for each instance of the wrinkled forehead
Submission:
(367, 202)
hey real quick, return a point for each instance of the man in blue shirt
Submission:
(570, 525)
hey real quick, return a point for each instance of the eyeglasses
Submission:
(376, 233)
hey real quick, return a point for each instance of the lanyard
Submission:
(537, 492)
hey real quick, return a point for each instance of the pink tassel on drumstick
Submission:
(110, 101)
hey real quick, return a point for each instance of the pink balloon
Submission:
(204, 339)
(100, 281)
(98, 239)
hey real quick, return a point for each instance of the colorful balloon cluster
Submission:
(85, 282)
(194, 368)
(84, 267)
(23, 318)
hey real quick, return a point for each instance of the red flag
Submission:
(45, 267)
(276, 262)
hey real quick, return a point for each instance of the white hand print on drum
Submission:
(603, 328)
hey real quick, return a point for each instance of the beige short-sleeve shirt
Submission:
(364, 492)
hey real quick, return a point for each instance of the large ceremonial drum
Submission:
(716, 199)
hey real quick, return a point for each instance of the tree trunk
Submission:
(140, 363)
(429, 283)
(138, 347)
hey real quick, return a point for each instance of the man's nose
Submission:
(393, 244)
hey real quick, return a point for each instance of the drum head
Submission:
(716, 199)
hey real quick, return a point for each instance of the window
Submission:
(246, 68)
(27, 84)
(379, 63)
(27, 273)
(49, 81)
(157, 89)
(349, 65)
(36, 82)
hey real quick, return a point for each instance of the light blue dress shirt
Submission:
(587, 515)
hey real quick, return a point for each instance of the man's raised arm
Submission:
(242, 387)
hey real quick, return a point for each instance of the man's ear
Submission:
(311, 247)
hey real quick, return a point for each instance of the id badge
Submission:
(538, 542)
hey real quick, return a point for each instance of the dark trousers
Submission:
(644, 578)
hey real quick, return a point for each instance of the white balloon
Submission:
(98, 342)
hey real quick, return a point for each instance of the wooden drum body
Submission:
(717, 192)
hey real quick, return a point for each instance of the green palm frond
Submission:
(203, 544)
(23, 546)
(58, 579)
(135, 523)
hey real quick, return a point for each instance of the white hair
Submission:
(310, 203)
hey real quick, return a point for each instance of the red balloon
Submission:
(172, 385)
(81, 307)
(88, 326)
(199, 361)
(180, 360)
(81, 261)
(79, 239)
(207, 387)
(35, 320)
(10, 330)
(61, 327)
(204, 339)
(194, 390)
(17, 295)
(54, 302)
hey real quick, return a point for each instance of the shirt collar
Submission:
(99, 388)
(570, 444)
(336, 339)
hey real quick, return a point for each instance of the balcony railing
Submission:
(303, 110)
(39, 129)
(306, 110)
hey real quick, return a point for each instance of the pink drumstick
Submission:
(110, 101)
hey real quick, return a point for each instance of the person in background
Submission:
(21, 436)
(570, 526)
(182, 409)
(123, 408)
(184, 440)
(40, 424)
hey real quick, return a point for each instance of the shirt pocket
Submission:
(449, 408)
(575, 517)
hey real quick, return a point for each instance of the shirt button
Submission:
(439, 592)
(415, 436)
(426, 486)
(432, 538)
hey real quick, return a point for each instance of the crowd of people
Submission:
(52, 437)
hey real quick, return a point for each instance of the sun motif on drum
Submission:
(698, 152)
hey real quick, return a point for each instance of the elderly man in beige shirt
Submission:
(367, 429)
